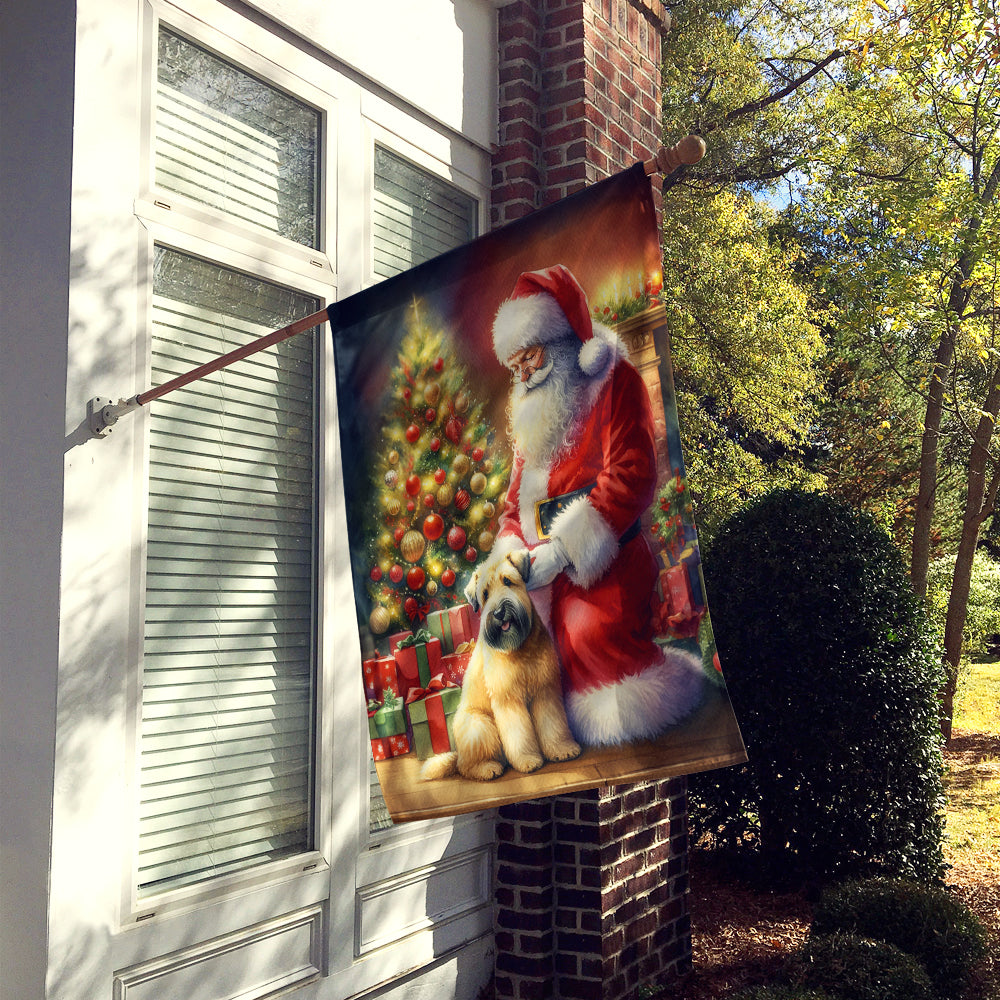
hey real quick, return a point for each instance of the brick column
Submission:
(591, 888)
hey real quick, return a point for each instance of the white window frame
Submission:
(349, 869)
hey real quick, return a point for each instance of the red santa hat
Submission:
(544, 307)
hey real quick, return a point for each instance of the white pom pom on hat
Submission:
(546, 306)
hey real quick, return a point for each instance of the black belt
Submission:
(546, 512)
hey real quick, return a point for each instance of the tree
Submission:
(437, 480)
(913, 188)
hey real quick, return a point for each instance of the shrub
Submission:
(925, 922)
(782, 993)
(834, 674)
(856, 968)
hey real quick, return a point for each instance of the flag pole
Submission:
(103, 414)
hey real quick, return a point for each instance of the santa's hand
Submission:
(548, 560)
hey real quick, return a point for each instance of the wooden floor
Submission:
(710, 739)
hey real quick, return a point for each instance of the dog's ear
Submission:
(520, 559)
(471, 592)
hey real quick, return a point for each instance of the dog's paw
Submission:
(486, 770)
(565, 751)
(528, 762)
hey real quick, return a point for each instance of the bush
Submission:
(834, 675)
(925, 922)
(782, 993)
(856, 968)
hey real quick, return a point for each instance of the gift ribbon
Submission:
(421, 635)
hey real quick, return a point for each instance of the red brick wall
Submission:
(579, 96)
(591, 889)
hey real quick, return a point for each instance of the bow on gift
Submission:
(421, 635)
(437, 683)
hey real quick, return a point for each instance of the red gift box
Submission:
(380, 748)
(396, 639)
(455, 664)
(398, 745)
(417, 661)
(380, 676)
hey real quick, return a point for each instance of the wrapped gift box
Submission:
(387, 727)
(454, 665)
(429, 713)
(453, 626)
(380, 676)
(418, 659)
(396, 639)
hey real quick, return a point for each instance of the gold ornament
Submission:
(412, 546)
(488, 509)
(432, 393)
(444, 494)
(477, 483)
(379, 620)
(461, 465)
(393, 506)
(461, 402)
(488, 465)
(431, 588)
(485, 541)
(393, 457)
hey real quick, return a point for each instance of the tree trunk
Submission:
(920, 553)
(979, 500)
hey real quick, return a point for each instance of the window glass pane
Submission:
(231, 141)
(228, 656)
(417, 216)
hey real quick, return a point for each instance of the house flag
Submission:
(529, 594)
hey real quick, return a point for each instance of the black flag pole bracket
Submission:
(103, 413)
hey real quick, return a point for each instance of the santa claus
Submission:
(584, 471)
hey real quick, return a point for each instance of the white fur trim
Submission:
(534, 319)
(534, 487)
(589, 541)
(593, 356)
(641, 706)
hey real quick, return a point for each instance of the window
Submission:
(229, 647)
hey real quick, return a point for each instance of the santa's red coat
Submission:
(619, 684)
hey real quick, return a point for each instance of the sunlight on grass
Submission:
(973, 783)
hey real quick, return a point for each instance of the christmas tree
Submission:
(438, 483)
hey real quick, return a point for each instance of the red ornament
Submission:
(376, 574)
(470, 554)
(413, 484)
(428, 499)
(412, 433)
(456, 538)
(398, 534)
(407, 392)
(396, 573)
(411, 607)
(431, 415)
(433, 529)
(415, 578)
(453, 430)
(462, 499)
(477, 454)
(448, 577)
(440, 476)
(411, 506)
(439, 365)
(435, 443)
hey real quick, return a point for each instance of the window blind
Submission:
(228, 653)
(416, 216)
(228, 140)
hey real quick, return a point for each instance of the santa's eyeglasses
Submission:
(524, 363)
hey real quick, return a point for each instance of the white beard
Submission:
(542, 416)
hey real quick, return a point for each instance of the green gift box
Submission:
(430, 712)
(387, 719)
